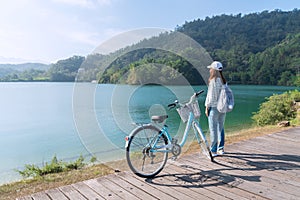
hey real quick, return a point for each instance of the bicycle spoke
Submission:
(141, 158)
(143, 163)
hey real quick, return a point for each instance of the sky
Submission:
(50, 30)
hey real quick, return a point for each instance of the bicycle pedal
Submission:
(174, 141)
(174, 158)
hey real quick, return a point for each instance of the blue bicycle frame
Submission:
(164, 131)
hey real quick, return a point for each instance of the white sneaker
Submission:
(221, 152)
(214, 154)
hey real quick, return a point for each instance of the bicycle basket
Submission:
(185, 110)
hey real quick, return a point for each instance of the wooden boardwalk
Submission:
(266, 167)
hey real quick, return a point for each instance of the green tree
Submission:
(277, 108)
(297, 81)
(65, 70)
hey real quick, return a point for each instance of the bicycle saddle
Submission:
(159, 119)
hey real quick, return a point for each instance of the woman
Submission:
(215, 118)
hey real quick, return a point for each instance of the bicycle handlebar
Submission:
(173, 105)
(198, 93)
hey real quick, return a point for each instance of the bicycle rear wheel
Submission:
(144, 160)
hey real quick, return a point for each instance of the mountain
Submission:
(258, 48)
(25, 66)
(10, 72)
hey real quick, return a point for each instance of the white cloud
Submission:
(86, 38)
(48, 30)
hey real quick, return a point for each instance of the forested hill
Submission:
(11, 70)
(258, 48)
(249, 33)
(61, 71)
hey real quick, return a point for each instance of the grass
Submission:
(41, 183)
(29, 186)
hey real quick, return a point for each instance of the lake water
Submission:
(37, 120)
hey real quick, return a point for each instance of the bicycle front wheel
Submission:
(146, 151)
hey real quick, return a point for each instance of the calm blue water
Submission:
(36, 119)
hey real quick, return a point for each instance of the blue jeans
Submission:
(216, 128)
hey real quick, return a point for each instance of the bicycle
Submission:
(147, 146)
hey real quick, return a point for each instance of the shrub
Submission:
(93, 159)
(30, 171)
(77, 164)
(55, 166)
(277, 108)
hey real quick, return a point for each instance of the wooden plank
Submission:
(244, 181)
(163, 187)
(289, 155)
(230, 180)
(277, 182)
(100, 189)
(170, 180)
(222, 184)
(124, 194)
(282, 176)
(228, 191)
(286, 137)
(228, 194)
(265, 167)
(71, 193)
(40, 196)
(278, 140)
(128, 186)
(290, 133)
(289, 136)
(201, 182)
(288, 171)
(170, 188)
(263, 159)
(203, 185)
(276, 144)
(266, 149)
(166, 188)
(87, 191)
(143, 185)
(56, 194)
(277, 165)
(249, 151)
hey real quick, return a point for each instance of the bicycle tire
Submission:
(140, 159)
(205, 147)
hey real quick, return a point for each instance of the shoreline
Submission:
(29, 186)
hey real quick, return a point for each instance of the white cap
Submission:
(216, 65)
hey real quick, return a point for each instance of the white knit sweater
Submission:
(213, 92)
